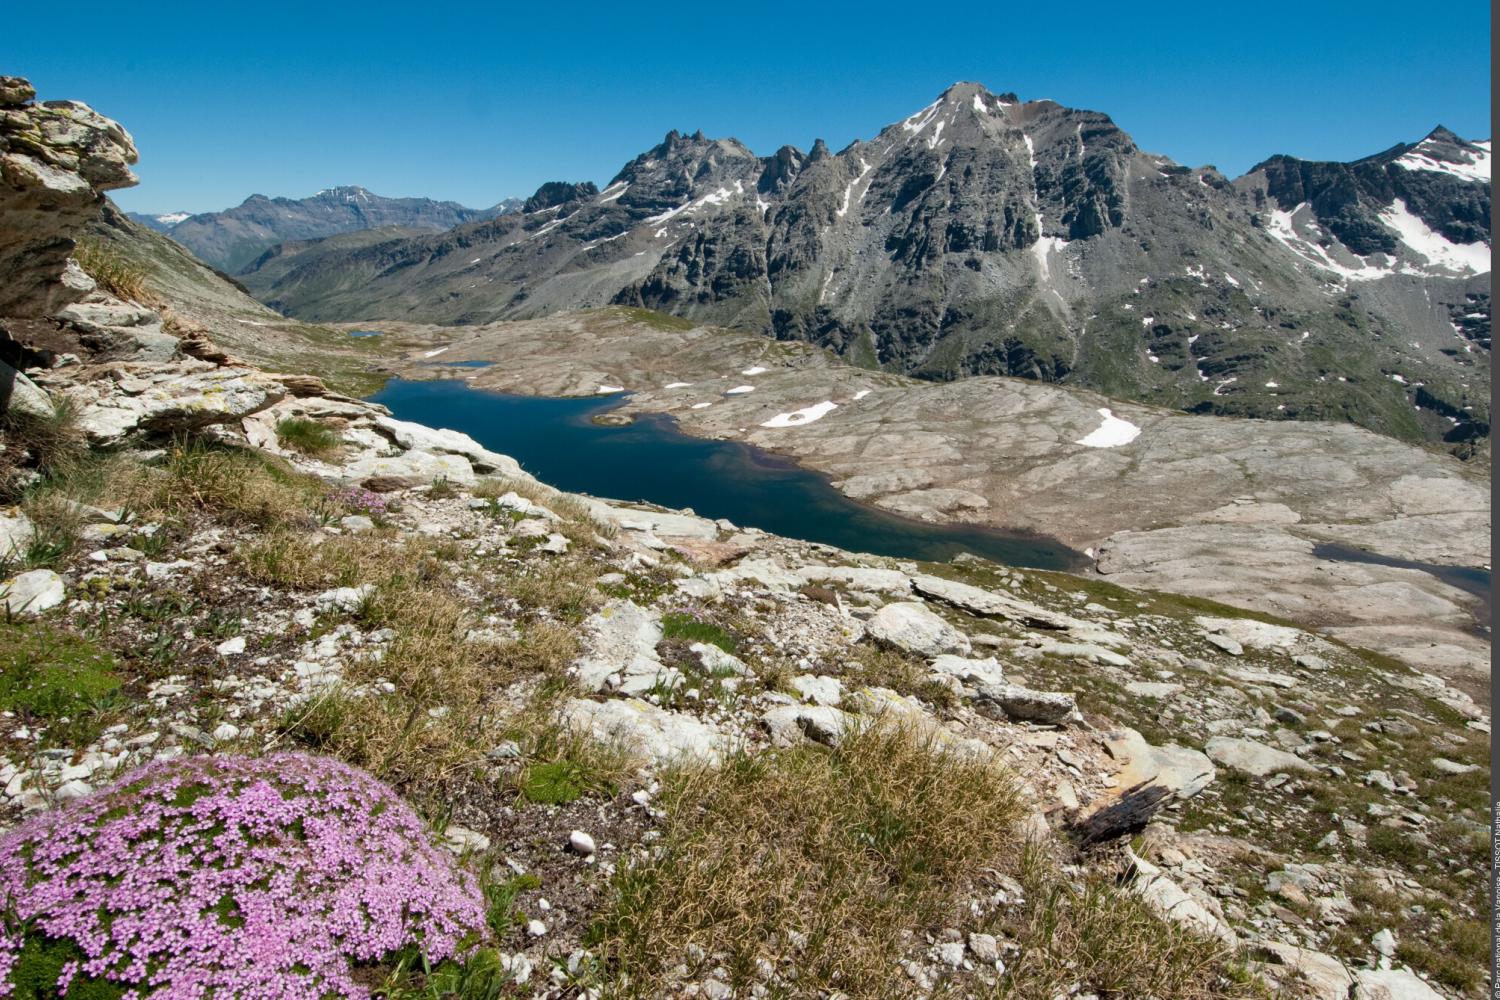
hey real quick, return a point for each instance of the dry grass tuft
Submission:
(1109, 941)
(846, 851)
(870, 665)
(440, 719)
(111, 270)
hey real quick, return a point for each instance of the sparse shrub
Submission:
(110, 269)
(228, 876)
(307, 437)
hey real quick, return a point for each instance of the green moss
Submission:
(41, 962)
(681, 625)
(49, 674)
(559, 782)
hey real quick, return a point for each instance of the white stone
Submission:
(818, 689)
(1392, 984)
(16, 534)
(32, 592)
(652, 732)
(581, 843)
(231, 647)
(910, 626)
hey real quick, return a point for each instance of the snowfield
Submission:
(806, 415)
(1113, 433)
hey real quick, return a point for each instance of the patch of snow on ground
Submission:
(1398, 378)
(433, 354)
(1231, 279)
(677, 385)
(806, 415)
(1045, 247)
(755, 370)
(861, 394)
(1148, 321)
(609, 388)
(1113, 433)
(1219, 389)
(979, 105)
(1473, 258)
(739, 390)
(702, 406)
(1273, 385)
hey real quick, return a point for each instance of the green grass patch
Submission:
(307, 437)
(47, 674)
(691, 628)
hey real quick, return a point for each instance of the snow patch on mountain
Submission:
(1477, 167)
(1471, 258)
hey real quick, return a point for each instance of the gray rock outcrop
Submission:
(57, 158)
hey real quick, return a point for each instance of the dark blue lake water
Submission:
(557, 441)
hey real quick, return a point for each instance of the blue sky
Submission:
(476, 105)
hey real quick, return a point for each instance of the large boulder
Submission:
(57, 158)
(912, 628)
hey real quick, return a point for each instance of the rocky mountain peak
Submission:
(555, 193)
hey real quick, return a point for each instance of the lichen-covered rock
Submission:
(118, 401)
(230, 876)
(57, 158)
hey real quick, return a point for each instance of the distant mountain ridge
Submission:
(234, 237)
(987, 235)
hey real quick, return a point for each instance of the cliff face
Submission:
(57, 158)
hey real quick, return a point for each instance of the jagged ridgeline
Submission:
(986, 235)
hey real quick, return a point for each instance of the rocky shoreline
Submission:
(1232, 510)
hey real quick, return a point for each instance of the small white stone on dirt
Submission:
(535, 928)
(580, 842)
(985, 947)
(231, 647)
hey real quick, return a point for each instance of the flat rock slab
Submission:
(1253, 758)
(910, 627)
(1392, 984)
(642, 728)
(1180, 770)
(619, 643)
(979, 601)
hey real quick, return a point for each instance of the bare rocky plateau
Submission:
(1222, 508)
